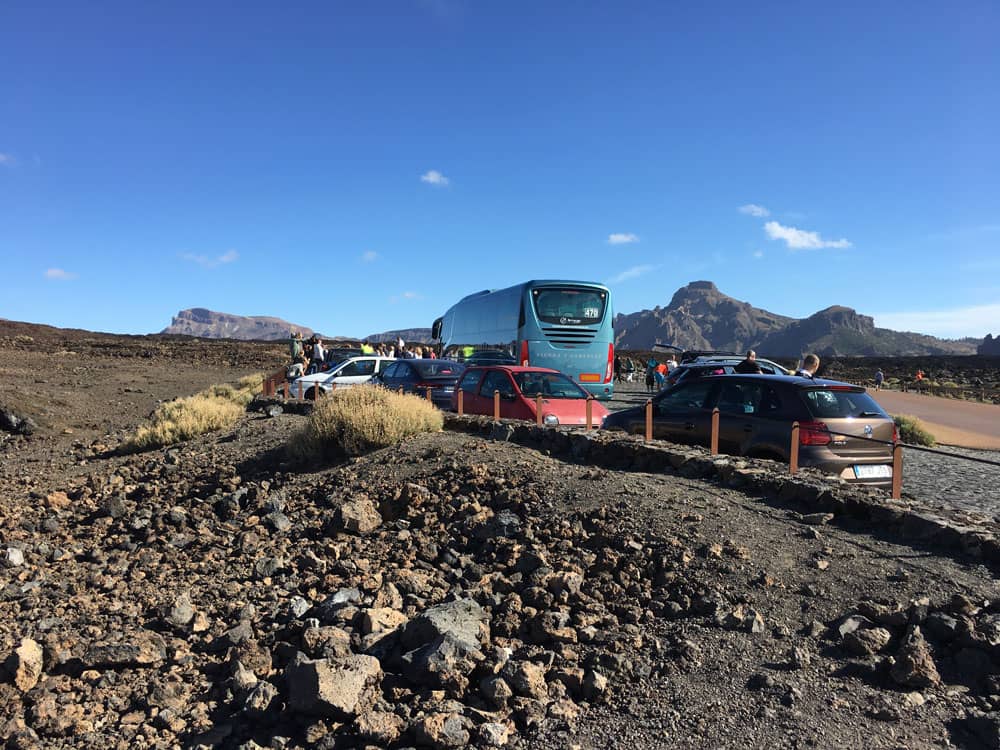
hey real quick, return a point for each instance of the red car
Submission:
(563, 401)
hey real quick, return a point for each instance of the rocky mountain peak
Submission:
(700, 316)
(208, 324)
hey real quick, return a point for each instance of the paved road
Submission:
(967, 424)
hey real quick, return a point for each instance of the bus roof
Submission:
(537, 282)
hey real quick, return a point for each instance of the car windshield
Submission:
(437, 367)
(548, 385)
(570, 307)
(826, 403)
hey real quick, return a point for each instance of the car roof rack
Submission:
(690, 355)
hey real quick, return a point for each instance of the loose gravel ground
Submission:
(164, 599)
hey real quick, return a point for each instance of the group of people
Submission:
(310, 355)
(625, 369)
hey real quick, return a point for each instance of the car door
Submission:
(680, 414)
(737, 402)
(354, 372)
(407, 377)
(388, 375)
(469, 386)
(499, 380)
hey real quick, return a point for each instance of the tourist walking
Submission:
(879, 379)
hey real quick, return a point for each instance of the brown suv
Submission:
(843, 431)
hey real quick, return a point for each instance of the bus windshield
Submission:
(569, 307)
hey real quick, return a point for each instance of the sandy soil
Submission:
(962, 423)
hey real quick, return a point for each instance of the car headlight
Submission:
(551, 420)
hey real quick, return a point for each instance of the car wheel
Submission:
(311, 394)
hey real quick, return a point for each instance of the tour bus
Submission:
(563, 325)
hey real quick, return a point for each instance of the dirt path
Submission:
(963, 423)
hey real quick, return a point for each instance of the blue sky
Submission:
(357, 167)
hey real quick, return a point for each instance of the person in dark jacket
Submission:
(749, 365)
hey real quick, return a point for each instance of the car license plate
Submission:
(872, 471)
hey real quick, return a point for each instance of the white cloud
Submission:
(6, 160)
(58, 274)
(405, 297)
(433, 177)
(369, 256)
(230, 256)
(630, 273)
(958, 322)
(800, 239)
(758, 254)
(622, 238)
(752, 209)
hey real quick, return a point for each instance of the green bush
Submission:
(352, 421)
(912, 430)
(218, 407)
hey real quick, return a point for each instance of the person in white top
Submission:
(317, 363)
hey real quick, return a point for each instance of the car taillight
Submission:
(814, 433)
(524, 354)
(425, 386)
(609, 372)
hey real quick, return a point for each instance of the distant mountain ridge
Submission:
(208, 324)
(419, 335)
(701, 317)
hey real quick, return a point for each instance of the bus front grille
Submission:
(568, 335)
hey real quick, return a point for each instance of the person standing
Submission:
(810, 363)
(295, 346)
(879, 379)
(316, 359)
(749, 365)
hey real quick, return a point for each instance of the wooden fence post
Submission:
(429, 394)
(649, 419)
(793, 453)
(461, 399)
(715, 431)
(538, 410)
(897, 471)
(590, 412)
(496, 406)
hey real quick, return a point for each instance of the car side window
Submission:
(497, 381)
(469, 381)
(770, 403)
(406, 372)
(686, 397)
(390, 371)
(361, 367)
(743, 398)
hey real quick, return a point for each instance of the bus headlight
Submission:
(550, 420)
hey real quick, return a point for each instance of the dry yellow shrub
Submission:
(216, 408)
(356, 420)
